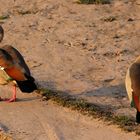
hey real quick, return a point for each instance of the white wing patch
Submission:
(2, 68)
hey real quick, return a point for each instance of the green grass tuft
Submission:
(22, 12)
(109, 19)
(3, 17)
(27, 12)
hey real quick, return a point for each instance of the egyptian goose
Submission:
(13, 68)
(132, 83)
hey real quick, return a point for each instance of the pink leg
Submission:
(13, 99)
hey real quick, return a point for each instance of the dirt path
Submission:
(33, 119)
(83, 50)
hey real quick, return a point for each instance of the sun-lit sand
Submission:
(83, 50)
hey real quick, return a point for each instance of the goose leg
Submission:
(136, 101)
(13, 99)
(138, 117)
(137, 105)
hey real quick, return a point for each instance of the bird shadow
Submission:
(106, 91)
(28, 99)
(41, 84)
(47, 84)
(95, 97)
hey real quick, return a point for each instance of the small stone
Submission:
(109, 79)
(130, 19)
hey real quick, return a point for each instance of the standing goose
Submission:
(132, 83)
(13, 68)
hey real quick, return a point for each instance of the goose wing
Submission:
(11, 66)
(17, 58)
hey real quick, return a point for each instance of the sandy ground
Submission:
(83, 50)
(30, 118)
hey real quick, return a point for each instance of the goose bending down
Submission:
(132, 83)
(13, 68)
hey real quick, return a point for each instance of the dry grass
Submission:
(3, 17)
(4, 136)
(125, 122)
(94, 1)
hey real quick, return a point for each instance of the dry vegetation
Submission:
(94, 1)
(4, 136)
(125, 122)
